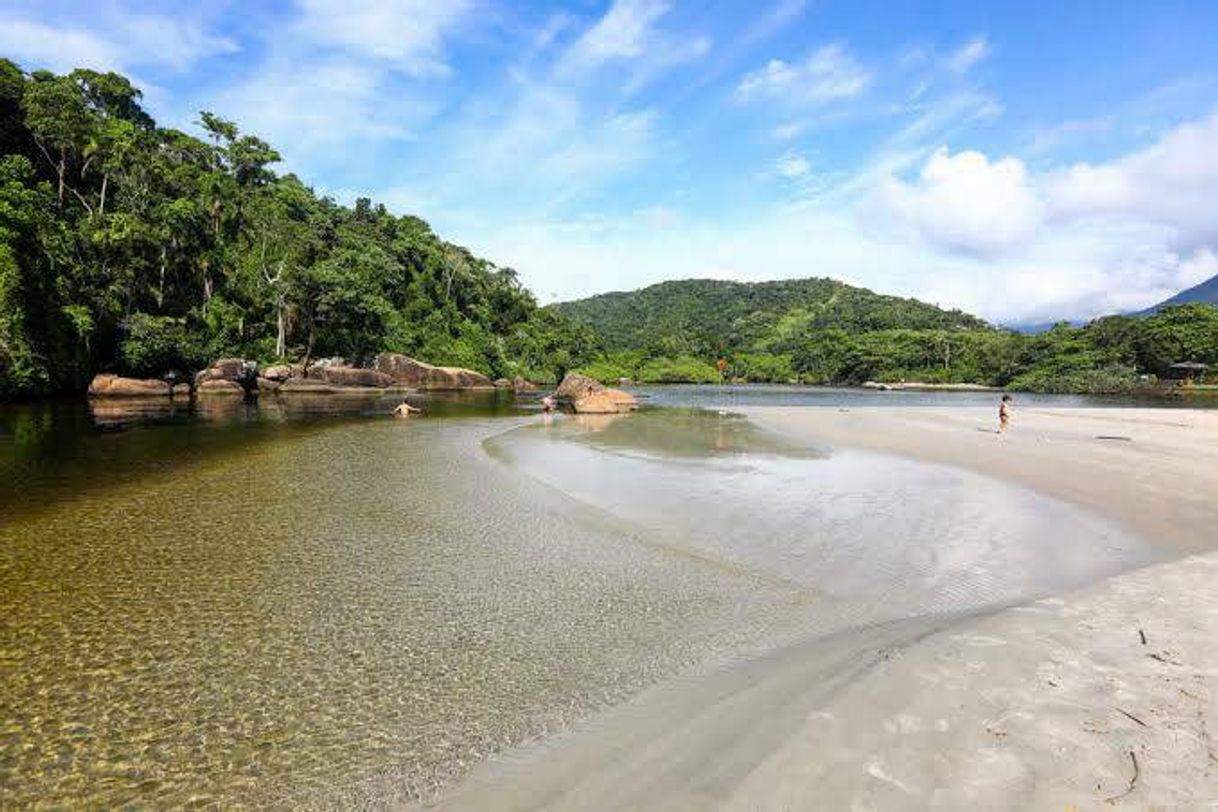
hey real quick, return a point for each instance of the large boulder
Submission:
(589, 396)
(219, 386)
(278, 373)
(409, 372)
(606, 401)
(113, 386)
(575, 386)
(230, 370)
(336, 375)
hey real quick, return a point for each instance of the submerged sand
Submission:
(1099, 697)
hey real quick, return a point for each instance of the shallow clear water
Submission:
(253, 607)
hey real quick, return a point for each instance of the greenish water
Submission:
(253, 607)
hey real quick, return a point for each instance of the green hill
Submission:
(706, 317)
(822, 331)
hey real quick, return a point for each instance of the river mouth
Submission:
(372, 604)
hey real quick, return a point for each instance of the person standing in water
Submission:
(1004, 413)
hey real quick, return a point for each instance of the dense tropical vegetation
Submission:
(821, 331)
(138, 249)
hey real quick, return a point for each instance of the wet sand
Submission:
(1155, 470)
(1107, 695)
(1103, 696)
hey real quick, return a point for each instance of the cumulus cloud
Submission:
(1173, 182)
(1077, 241)
(967, 203)
(827, 74)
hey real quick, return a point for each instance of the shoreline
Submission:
(1040, 705)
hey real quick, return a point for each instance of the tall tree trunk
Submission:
(101, 209)
(281, 334)
(160, 293)
(62, 171)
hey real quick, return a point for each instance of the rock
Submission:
(217, 386)
(575, 386)
(520, 384)
(502, 383)
(180, 390)
(231, 370)
(113, 386)
(269, 386)
(589, 396)
(409, 372)
(280, 373)
(606, 401)
(340, 375)
(333, 361)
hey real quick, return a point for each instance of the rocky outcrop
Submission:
(407, 371)
(237, 371)
(218, 386)
(278, 373)
(113, 386)
(587, 395)
(336, 375)
(517, 384)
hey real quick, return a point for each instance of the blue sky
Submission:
(1022, 160)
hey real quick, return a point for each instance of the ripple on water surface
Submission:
(385, 599)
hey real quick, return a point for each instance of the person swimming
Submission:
(404, 409)
(1004, 413)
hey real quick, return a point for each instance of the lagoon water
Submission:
(261, 606)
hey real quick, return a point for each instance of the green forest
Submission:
(825, 332)
(131, 248)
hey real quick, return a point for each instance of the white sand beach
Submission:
(1101, 697)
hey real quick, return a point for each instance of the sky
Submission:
(1025, 161)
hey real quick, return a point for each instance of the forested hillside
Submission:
(821, 331)
(133, 248)
(703, 316)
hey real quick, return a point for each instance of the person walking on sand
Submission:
(1004, 413)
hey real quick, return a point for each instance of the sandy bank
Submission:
(1101, 697)
(1156, 470)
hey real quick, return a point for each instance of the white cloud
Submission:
(966, 203)
(407, 33)
(968, 55)
(628, 36)
(336, 101)
(828, 74)
(625, 32)
(120, 42)
(1173, 182)
(792, 165)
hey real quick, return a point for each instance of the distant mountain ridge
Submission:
(701, 316)
(1206, 292)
